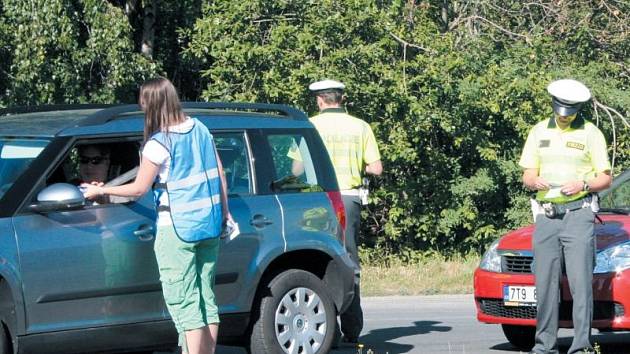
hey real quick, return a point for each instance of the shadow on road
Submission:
(608, 343)
(381, 340)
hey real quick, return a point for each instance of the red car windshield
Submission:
(617, 197)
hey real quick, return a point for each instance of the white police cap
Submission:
(568, 96)
(326, 85)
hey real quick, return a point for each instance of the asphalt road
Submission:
(441, 324)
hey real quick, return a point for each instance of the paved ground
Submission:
(440, 324)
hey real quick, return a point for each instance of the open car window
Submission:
(294, 171)
(111, 163)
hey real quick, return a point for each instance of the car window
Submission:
(618, 197)
(15, 156)
(292, 164)
(110, 163)
(235, 159)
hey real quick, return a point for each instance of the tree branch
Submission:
(513, 34)
(614, 149)
(262, 20)
(407, 44)
(610, 109)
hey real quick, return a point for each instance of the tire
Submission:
(521, 337)
(297, 312)
(5, 348)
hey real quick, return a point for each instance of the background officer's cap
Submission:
(326, 86)
(568, 96)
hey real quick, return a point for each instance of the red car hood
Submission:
(615, 229)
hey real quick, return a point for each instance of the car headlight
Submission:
(491, 260)
(613, 259)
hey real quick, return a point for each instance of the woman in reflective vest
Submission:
(190, 191)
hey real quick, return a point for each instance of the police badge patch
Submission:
(574, 145)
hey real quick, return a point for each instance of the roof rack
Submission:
(112, 113)
(49, 108)
(108, 114)
(288, 111)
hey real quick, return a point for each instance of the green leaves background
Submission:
(450, 88)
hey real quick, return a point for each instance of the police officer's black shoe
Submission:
(352, 340)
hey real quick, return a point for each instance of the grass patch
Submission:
(426, 275)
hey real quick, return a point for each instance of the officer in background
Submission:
(353, 151)
(565, 162)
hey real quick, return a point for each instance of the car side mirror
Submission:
(59, 196)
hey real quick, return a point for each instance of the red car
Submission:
(504, 284)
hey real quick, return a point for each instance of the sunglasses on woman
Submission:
(95, 160)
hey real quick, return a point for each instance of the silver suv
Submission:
(79, 277)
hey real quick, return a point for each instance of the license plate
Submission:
(519, 295)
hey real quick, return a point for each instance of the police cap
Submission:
(326, 86)
(567, 96)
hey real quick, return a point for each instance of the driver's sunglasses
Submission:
(96, 160)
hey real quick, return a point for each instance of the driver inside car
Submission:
(94, 165)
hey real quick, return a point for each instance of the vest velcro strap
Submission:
(193, 180)
(158, 185)
(163, 208)
(197, 204)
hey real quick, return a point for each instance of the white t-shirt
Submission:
(158, 154)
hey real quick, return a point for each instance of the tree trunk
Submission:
(148, 27)
(131, 7)
(444, 16)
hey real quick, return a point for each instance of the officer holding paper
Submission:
(565, 162)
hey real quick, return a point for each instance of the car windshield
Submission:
(618, 196)
(15, 156)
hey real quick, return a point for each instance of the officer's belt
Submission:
(350, 192)
(563, 208)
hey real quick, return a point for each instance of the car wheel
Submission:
(521, 337)
(296, 316)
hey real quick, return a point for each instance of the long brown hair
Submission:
(161, 106)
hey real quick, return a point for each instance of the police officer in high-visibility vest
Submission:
(353, 151)
(565, 162)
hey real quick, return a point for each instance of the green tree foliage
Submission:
(69, 51)
(5, 54)
(451, 88)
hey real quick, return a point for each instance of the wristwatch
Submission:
(586, 187)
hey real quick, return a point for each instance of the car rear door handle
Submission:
(145, 233)
(260, 221)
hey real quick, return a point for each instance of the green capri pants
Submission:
(187, 276)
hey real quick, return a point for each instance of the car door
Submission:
(259, 219)
(89, 267)
(311, 221)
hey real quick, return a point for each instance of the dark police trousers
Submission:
(569, 236)
(352, 318)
